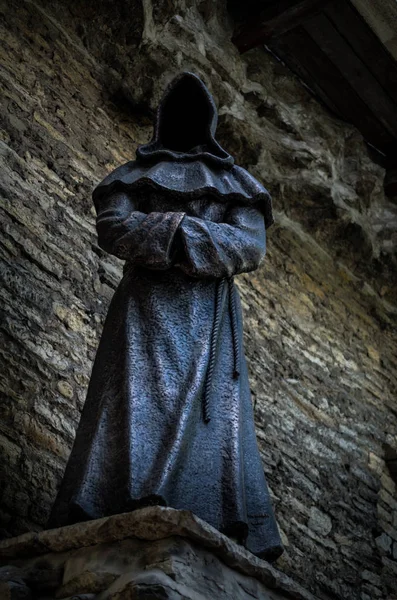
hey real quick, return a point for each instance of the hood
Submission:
(185, 125)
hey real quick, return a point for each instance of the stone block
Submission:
(319, 521)
(155, 552)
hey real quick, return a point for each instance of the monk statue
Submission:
(168, 418)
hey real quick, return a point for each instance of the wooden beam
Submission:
(364, 42)
(276, 19)
(354, 70)
(304, 56)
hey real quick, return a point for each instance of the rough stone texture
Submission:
(166, 552)
(80, 83)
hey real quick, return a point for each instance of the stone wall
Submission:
(81, 81)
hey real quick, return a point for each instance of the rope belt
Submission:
(215, 338)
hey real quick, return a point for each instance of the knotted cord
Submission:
(233, 318)
(214, 343)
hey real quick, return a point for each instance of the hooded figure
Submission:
(168, 417)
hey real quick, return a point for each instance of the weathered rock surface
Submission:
(80, 81)
(154, 552)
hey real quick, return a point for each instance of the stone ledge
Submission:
(143, 550)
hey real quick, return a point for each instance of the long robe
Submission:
(168, 417)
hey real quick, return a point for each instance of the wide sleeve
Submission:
(223, 249)
(145, 239)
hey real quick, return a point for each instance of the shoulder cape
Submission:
(192, 179)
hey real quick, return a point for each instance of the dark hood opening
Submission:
(185, 125)
(185, 118)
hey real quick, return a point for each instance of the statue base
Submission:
(151, 553)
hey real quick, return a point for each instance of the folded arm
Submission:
(223, 249)
(145, 239)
